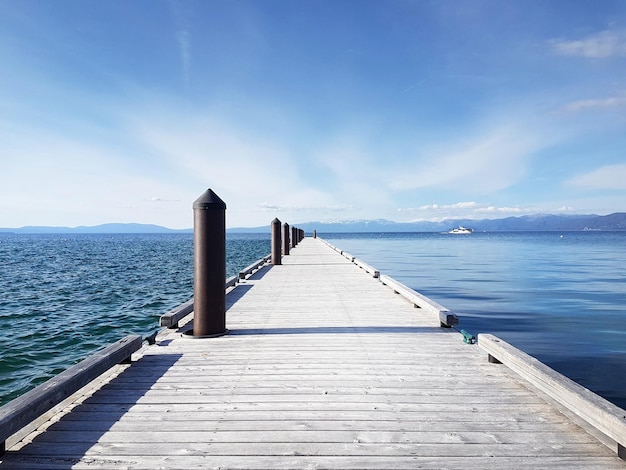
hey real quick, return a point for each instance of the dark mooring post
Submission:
(285, 239)
(314, 233)
(294, 237)
(276, 242)
(209, 229)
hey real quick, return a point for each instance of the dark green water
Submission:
(64, 296)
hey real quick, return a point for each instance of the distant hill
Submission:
(538, 222)
(104, 228)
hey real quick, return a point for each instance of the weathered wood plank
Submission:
(205, 460)
(450, 446)
(434, 422)
(19, 412)
(595, 410)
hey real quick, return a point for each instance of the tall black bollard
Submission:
(285, 239)
(294, 237)
(276, 242)
(314, 233)
(209, 237)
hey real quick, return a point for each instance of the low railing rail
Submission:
(447, 319)
(171, 318)
(25, 409)
(601, 414)
(254, 267)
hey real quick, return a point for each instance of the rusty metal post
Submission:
(276, 242)
(285, 239)
(209, 222)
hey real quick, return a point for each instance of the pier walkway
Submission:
(324, 367)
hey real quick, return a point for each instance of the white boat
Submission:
(460, 230)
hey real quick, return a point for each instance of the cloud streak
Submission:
(609, 177)
(491, 161)
(595, 104)
(183, 35)
(268, 207)
(602, 45)
(467, 210)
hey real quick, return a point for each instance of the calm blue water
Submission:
(64, 296)
(561, 297)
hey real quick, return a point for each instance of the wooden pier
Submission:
(324, 366)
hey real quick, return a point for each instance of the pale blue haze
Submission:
(126, 111)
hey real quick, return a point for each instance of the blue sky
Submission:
(127, 111)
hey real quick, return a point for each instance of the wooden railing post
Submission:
(209, 265)
(276, 242)
(285, 239)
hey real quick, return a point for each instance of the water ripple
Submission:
(63, 297)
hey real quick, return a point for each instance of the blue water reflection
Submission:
(558, 296)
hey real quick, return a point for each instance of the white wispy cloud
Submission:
(597, 46)
(612, 177)
(440, 207)
(255, 174)
(491, 161)
(469, 210)
(265, 206)
(597, 104)
(506, 210)
(181, 19)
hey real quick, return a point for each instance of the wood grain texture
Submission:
(324, 367)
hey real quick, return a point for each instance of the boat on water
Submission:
(460, 230)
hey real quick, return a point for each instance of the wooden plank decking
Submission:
(324, 367)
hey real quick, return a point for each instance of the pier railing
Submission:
(447, 319)
(20, 412)
(601, 414)
(598, 413)
(171, 318)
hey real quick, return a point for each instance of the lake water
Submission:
(558, 296)
(64, 296)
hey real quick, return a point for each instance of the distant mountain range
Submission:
(104, 228)
(538, 222)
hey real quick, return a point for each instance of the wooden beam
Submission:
(170, 319)
(601, 414)
(370, 269)
(24, 409)
(253, 267)
(446, 318)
